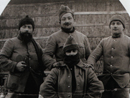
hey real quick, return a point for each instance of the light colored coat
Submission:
(116, 57)
(55, 44)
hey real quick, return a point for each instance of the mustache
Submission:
(25, 32)
(67, 23)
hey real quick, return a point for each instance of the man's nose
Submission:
(26, 29)
(66, 20)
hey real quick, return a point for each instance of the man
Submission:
(56, 40)
(21, 56)
(72, 80)
(116, 56)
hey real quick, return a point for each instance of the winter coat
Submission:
(13, 52)
(55, 46)
(58, 83)
(116, 57)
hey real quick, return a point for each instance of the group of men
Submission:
(68, 54)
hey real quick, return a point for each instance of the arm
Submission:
(5, 63)
(94, 85)
(48, 88)
(96, 54)
(48, 52)
(87, 48)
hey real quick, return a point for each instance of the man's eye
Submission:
(118, 23)
(63, 19)
(113, 23)
(68, 51)
(69, 18)
(29, 27)
(24, 26)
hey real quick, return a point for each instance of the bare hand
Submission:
(21, 66)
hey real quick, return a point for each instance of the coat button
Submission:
(111, 56)
(68, 76)
(68, 86)
(110, 65)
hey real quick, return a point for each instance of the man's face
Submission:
(26, 28)
(116, 27)
(71, 52)
(26, 32)
(67, 21)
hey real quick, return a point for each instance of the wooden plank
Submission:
(100, 12)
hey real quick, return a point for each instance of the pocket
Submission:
(12, 82)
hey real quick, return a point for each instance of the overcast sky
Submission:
(126, 4)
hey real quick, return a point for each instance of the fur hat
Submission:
(63, 10)
(26, 20)
(70, 44)
(118, 18)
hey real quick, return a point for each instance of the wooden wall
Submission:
(91, 17)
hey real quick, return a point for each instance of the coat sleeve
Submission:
(5, 63)
(49, 87)
(87, 47)
(96, 54)
(48, 52)
(94, 85)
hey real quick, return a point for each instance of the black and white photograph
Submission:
(64, 49)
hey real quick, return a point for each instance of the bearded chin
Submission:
(26, 37)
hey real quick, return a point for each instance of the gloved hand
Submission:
(58, 64)
(89, 66)
(21, 66)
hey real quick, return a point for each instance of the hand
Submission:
(58, 64)
(21, 66)
(40, 96)
(89, 66)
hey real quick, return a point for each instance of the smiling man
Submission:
(116, 56)
(56, 40)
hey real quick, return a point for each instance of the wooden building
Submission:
(91, 16)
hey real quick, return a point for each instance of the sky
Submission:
(125, 3)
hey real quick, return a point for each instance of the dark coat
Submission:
(58, 83)
(55, 44)
(116, 57)
(14, 51)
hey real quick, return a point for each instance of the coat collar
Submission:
(80, 64)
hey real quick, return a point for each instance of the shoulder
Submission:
(55, 36)
(79, 33)
(106, 38)
(126, 37)
(55, 71)
(55, 33)
(12, 40)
